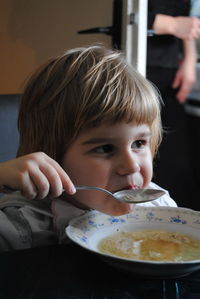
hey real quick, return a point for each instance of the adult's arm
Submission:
(181, 26)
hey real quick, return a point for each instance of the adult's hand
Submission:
(186, 74)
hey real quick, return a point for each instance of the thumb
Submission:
(177, 80)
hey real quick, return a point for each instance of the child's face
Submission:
(113, 157)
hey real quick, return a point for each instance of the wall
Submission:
(31, 31)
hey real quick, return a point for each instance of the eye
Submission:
(139, 143)
(104, 149)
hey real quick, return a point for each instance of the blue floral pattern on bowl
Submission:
(178, 219)
(94, 221)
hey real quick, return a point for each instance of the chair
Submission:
(9, 137)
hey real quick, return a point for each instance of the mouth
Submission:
(129, 187)
(133, 187)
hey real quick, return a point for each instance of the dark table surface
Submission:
(71, 272)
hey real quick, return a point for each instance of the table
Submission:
(72, 272)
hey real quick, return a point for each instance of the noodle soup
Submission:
(152, 245)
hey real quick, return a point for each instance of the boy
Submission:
(86, 118)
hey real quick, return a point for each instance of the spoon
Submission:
(127, 196)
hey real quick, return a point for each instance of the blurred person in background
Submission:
(171, 66)
(192, 108)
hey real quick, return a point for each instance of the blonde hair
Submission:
(81, 89)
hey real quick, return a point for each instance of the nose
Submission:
(128, 163)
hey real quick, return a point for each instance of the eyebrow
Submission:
(98, 140)
(110, 139)
(143, 135)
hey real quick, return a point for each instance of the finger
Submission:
(183, 93)
(28, 188)
(180, 97)
(54, 179)
(177, 81)
(40, 181)
(65, 179)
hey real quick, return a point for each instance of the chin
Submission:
(120, 209)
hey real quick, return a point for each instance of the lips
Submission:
(133, 187)
(129, 187)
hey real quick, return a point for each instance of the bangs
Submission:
(124, 96)
(115, 92)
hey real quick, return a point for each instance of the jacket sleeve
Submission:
(15, 232)
(24, 226)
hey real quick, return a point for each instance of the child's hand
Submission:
(35, 175)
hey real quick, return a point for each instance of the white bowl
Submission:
(88, 229)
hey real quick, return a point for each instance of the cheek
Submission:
(85, 171)
(147, 170)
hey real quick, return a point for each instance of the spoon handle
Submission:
(94, 188)
(7, 189)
